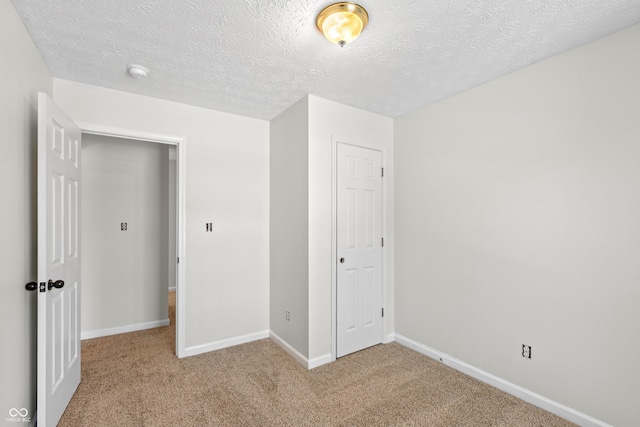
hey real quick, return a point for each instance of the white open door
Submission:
(359, 249)
(58, 261)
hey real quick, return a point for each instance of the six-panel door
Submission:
(58, 261)
(359, 248)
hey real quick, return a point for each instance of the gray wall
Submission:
(289, 233)
(227, 179)
(124, 273)
(22, 74)
(517, 221)
(328, 121)
(301, 216)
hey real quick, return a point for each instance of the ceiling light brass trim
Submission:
(342, 7)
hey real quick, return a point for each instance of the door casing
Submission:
(335, 140)
(181, 149)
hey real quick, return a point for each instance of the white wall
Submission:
(328, 119)
(124, 273)
(289, 235)
(517, 221)
(22, 74)
(227, 184)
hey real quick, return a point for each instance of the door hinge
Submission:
(383, 242)
(382, 173)
(178, 260)
(382, 311)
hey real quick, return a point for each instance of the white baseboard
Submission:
(172, 288)
(292, 351)
(229, 342)
(122, 329)
(307, 363)
(319, 361)
(513, 389)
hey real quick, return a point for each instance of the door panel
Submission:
(58, 259)
(359, 249)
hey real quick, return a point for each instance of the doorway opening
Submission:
(155, 162)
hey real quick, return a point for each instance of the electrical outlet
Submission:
(288, 315)
(526, 351)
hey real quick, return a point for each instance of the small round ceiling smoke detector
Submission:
(138, 71)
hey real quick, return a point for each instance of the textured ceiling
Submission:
(256, 58)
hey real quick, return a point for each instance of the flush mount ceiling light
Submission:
(137, 71)
(342, 23)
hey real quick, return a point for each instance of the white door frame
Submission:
(181, 148)
(334, 235)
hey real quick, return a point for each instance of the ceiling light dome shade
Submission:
(342, 23)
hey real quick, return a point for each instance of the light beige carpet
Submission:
(135, 379)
